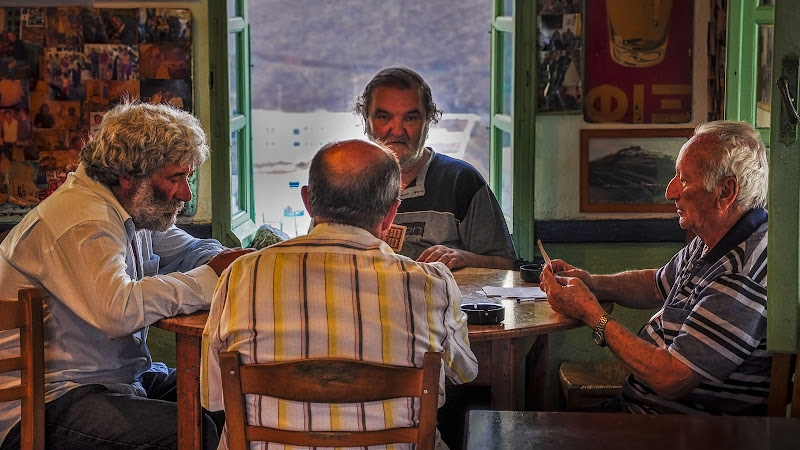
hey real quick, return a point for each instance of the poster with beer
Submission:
(639, 61)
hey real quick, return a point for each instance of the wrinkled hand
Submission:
(223, 259)
(569, 296)
(451, 257)
(563, 269)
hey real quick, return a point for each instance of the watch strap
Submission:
(600, 331)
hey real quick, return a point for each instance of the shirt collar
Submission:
(417, 187)
(80, 176)
(738, 233)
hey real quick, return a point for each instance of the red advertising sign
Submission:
(639, 61)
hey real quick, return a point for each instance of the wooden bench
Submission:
(585, 383)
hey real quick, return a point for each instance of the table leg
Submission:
(537, 375)
(190, 413)
(503, 375)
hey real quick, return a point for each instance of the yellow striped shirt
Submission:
(336, 292)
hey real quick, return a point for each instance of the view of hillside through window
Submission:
(310, 60)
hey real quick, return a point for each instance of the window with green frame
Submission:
(232, 198)
(749, 63)
(513, 99)
(513, 103)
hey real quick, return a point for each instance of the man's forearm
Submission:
(488, 261)
(632, 289)
(655, 366)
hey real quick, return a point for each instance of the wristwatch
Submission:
(599, 333)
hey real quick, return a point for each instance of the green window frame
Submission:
(744, 19)
(512, 119)
(513, 114)
(233, 205)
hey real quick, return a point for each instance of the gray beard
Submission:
(150, 213)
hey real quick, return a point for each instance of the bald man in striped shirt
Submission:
(340, 292)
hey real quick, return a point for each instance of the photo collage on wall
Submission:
(62, 69)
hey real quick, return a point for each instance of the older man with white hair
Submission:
(704, 351)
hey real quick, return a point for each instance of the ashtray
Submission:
(530, 272)
(484, 313)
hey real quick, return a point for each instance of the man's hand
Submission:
(571, 297)
(223, 259)
(563, 269)
(451, 257)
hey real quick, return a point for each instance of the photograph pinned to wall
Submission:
(54, 165)
(96, 118)
(66, 114)
(64, 28)
(121, 25)
(119, 91)
(167, 25)
(639, 61)
(13, 92)
(165, 61)
(628, 170)
(65, 74)
(177, 93)
(99, 59)
(560, 56)
(31, 29)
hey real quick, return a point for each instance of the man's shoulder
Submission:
(442, 163)
(447, 173)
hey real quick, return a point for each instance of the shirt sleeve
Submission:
(180, 252)
(104, 294)
(213, 344)
(460, 364)
(483, 230)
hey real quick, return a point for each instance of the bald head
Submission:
(352, 182)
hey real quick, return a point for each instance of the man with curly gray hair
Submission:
(105, 250)
(704, 351)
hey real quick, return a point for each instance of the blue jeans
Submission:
(93, 417)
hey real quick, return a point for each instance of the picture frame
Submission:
(559, 56)
(628, 170)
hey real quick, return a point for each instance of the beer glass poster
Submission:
(639, 61)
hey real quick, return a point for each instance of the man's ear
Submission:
(387, 220)
(304, 195)
(729, 190)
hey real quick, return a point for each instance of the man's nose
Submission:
(184, 192)
(672, 192)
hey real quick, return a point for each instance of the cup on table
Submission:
(530, 272)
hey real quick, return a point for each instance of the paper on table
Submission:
(521, 293)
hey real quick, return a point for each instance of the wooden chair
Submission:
(784, 367)
(26, 315)
(585, 383)
(329, 380)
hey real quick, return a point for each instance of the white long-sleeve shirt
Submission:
(105, 282)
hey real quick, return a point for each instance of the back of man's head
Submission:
(353, 182)
(399, 78)
(138, 138)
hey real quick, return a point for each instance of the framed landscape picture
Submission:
(627, 170)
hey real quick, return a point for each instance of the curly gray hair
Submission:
(139, 138)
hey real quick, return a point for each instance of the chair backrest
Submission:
(782, 390)
(329, 380)
(26, 315)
